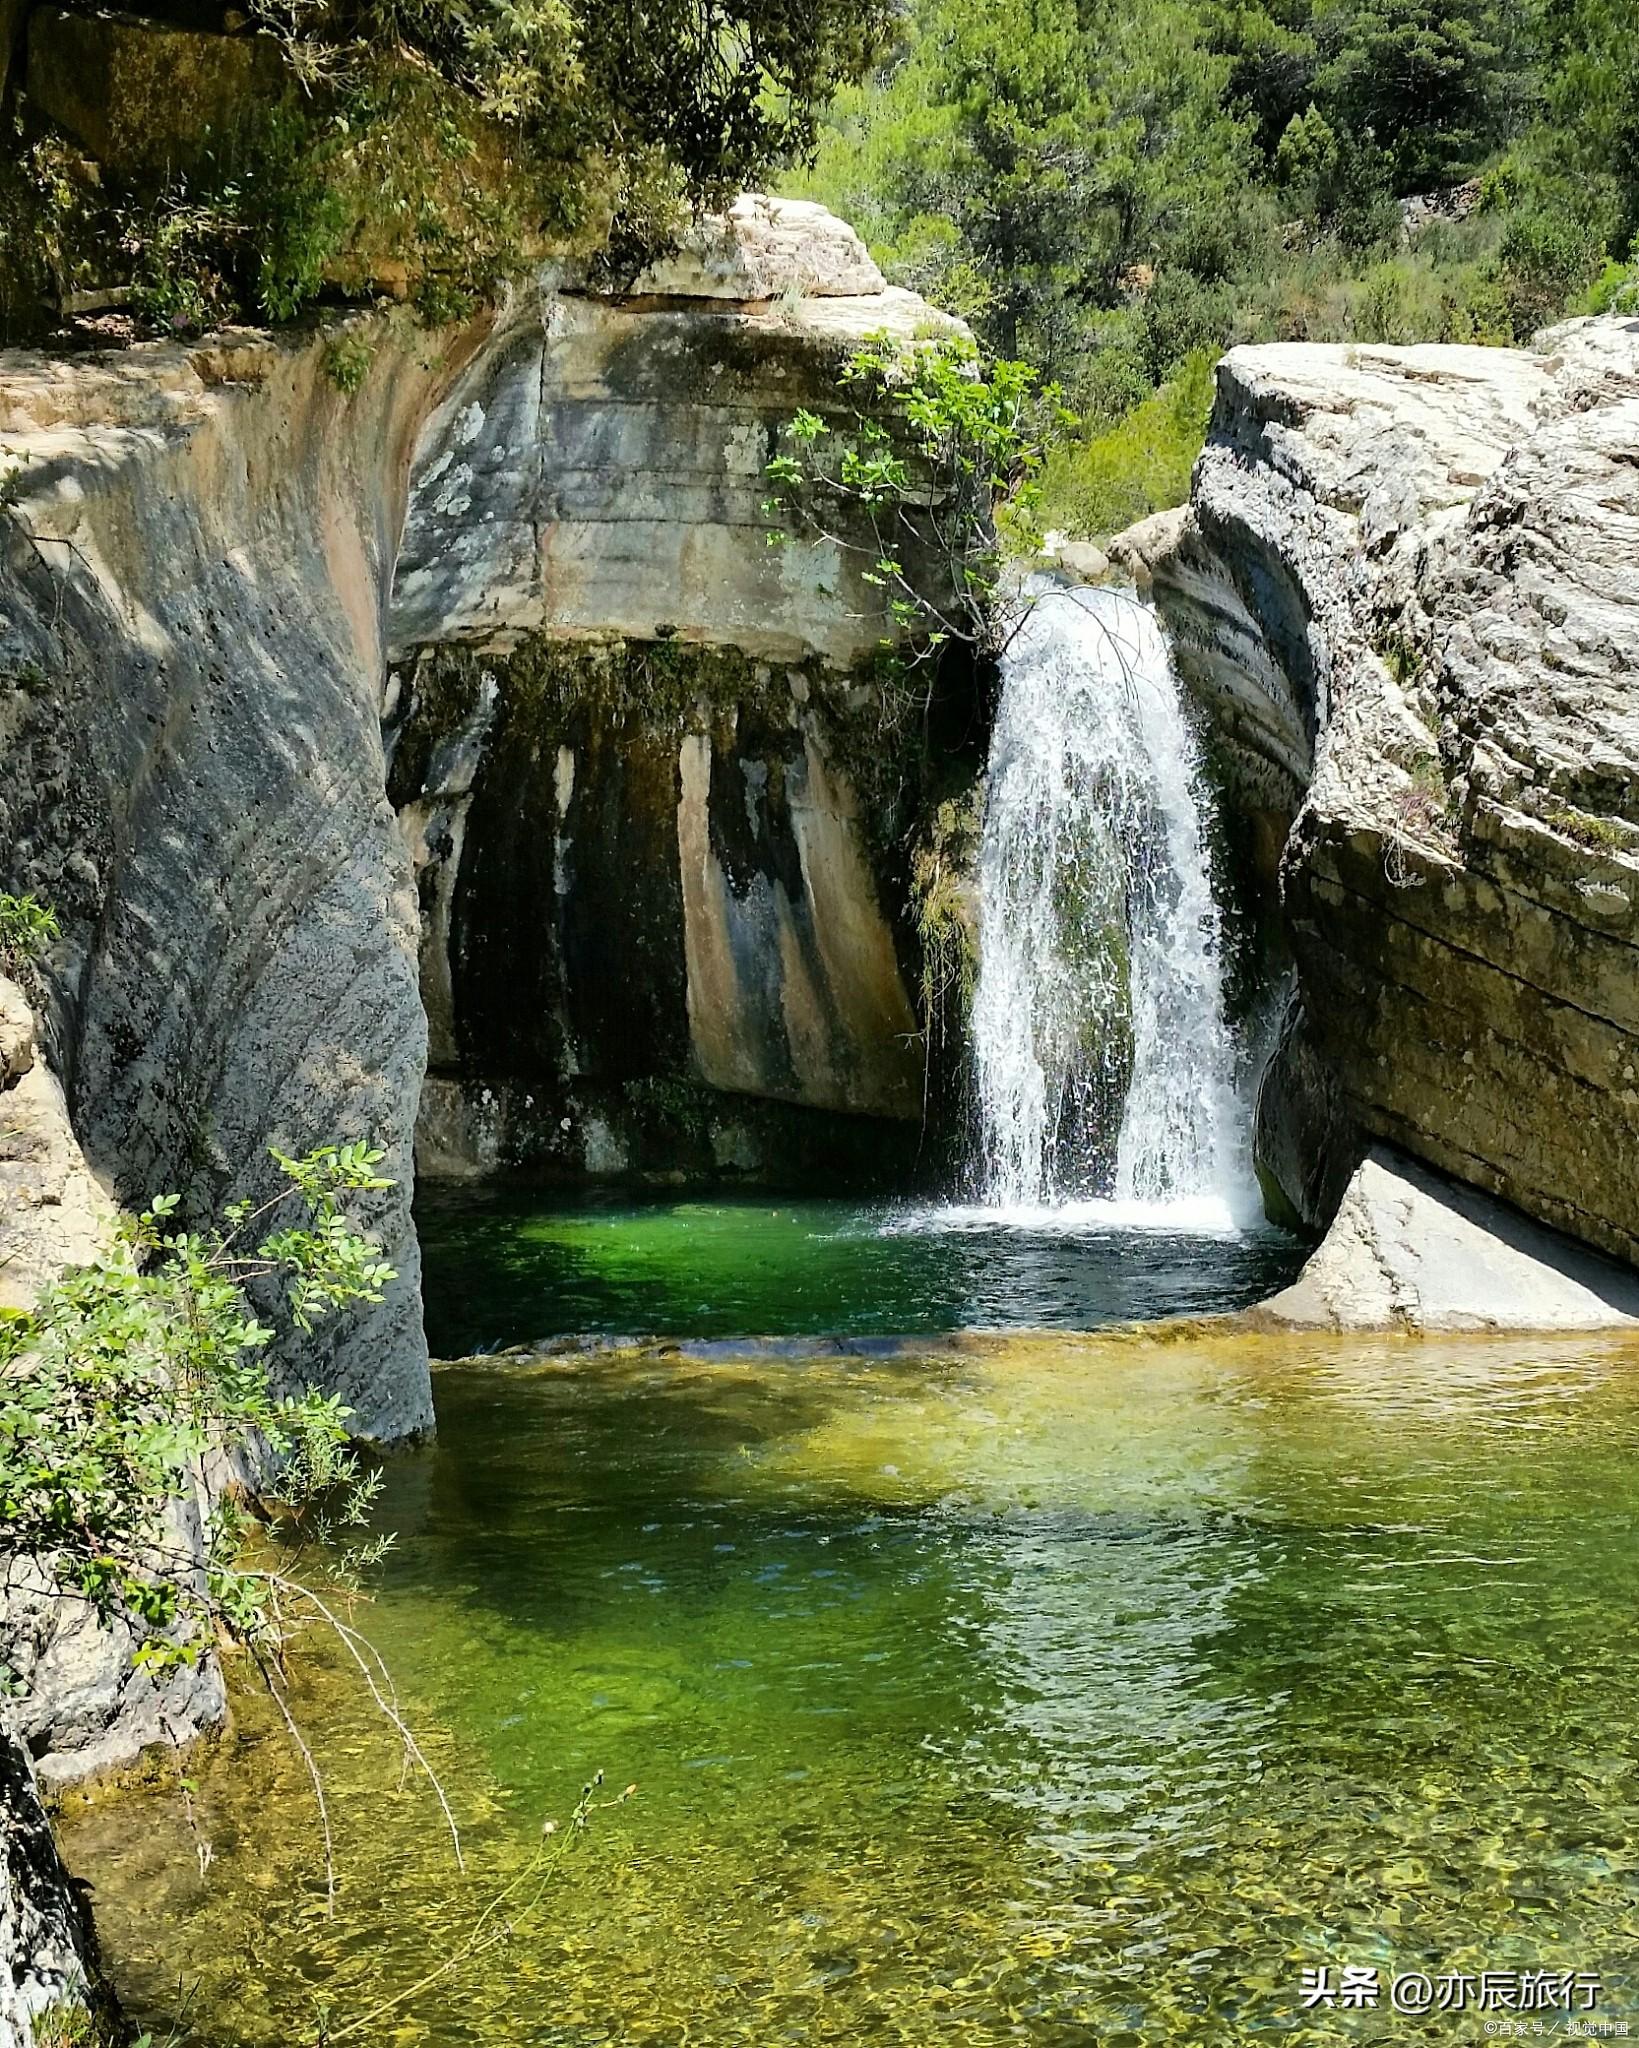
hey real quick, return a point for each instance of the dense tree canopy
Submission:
(448, 142)
(1114, 188)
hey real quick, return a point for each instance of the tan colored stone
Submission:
(143, 97)
(766, 248)
(1409, 1250)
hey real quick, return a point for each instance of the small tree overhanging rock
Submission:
(129, 1375)
(931, 480)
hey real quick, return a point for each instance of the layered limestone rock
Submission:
(210, 554)
(1407, 590)
(195, 550)
(650, 777)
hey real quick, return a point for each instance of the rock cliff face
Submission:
(196, 554)
(651, 782)
(642, 774)
(1407, 590)
(481, 684)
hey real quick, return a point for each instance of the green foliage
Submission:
(128, 1372)
(940, 456)
(945, 917)
(1109, 190)
(347, 359)
(27, 928)
(1428, 82)
(1614, 290)
(435, 150)
(1139, 465)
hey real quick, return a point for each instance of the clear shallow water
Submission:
(513, 1268)
(1050, 1690)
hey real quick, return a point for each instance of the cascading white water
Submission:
(1106, 1067)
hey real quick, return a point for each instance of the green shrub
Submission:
(27, 928)
(939, 464)
(127, 1371)
(1548, 258)
(1096, 486)
(347, 359)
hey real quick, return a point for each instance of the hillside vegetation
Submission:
(1118, 189)
(290, 150)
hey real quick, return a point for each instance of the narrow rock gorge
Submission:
(518, 585)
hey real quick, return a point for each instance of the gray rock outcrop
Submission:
(48, 1965)
(651, 782)
(195, 552)
(1407, 591)
(1408, 1249)
(80, 1704)
(54, 1212)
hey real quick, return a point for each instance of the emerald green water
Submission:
(1042, 1690)
(511, 1268)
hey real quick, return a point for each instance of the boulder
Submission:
(1409, 1249)
(16, 1033)
(765, 248)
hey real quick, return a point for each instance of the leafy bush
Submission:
(436, 150)
(1106, 191)
(27, 928)
(127, 1373)
(940, 458)
(347, 359)
(1548, 258)
(1139, 465)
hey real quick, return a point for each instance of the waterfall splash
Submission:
(1106, 1067)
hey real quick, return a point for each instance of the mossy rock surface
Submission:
(148, 99)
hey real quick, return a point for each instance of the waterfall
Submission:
(1105, 1065)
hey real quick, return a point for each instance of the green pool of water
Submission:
(1048, 1691)
(510, 1268)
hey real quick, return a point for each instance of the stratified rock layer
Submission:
(195, 553)
(1407, 590)
(207, 555)
(651, 781)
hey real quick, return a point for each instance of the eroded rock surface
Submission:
(1407, 589)
(651, 780)
(54, 1212)
(1410, 1250)
(47, 1949)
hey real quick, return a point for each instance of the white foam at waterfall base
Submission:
(1106, 1070)
(1189, 1216)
